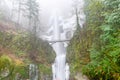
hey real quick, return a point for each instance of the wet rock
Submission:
(80, 76)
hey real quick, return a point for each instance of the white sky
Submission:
(52, 4)
(61, 5)
(48, 6)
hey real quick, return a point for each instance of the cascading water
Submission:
(58, 66)
(33, 72)
(60, 32)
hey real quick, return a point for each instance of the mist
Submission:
(65, 8)
(59, 39)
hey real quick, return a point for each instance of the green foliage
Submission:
(20, 45)
(44, 69)
(104, 64)
(6, 67)
(21, 72)
(99, 40)
(9, 70)
(113, 11)
(79, 48)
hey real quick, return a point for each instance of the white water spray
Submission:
(58, 67)
(60, 32)
(33, 72)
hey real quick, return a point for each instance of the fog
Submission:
(65, 8)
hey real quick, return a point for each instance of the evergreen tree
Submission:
(32, 11)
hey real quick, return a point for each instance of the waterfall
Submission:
(33, 72)
(60, 68)
(61, 29)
